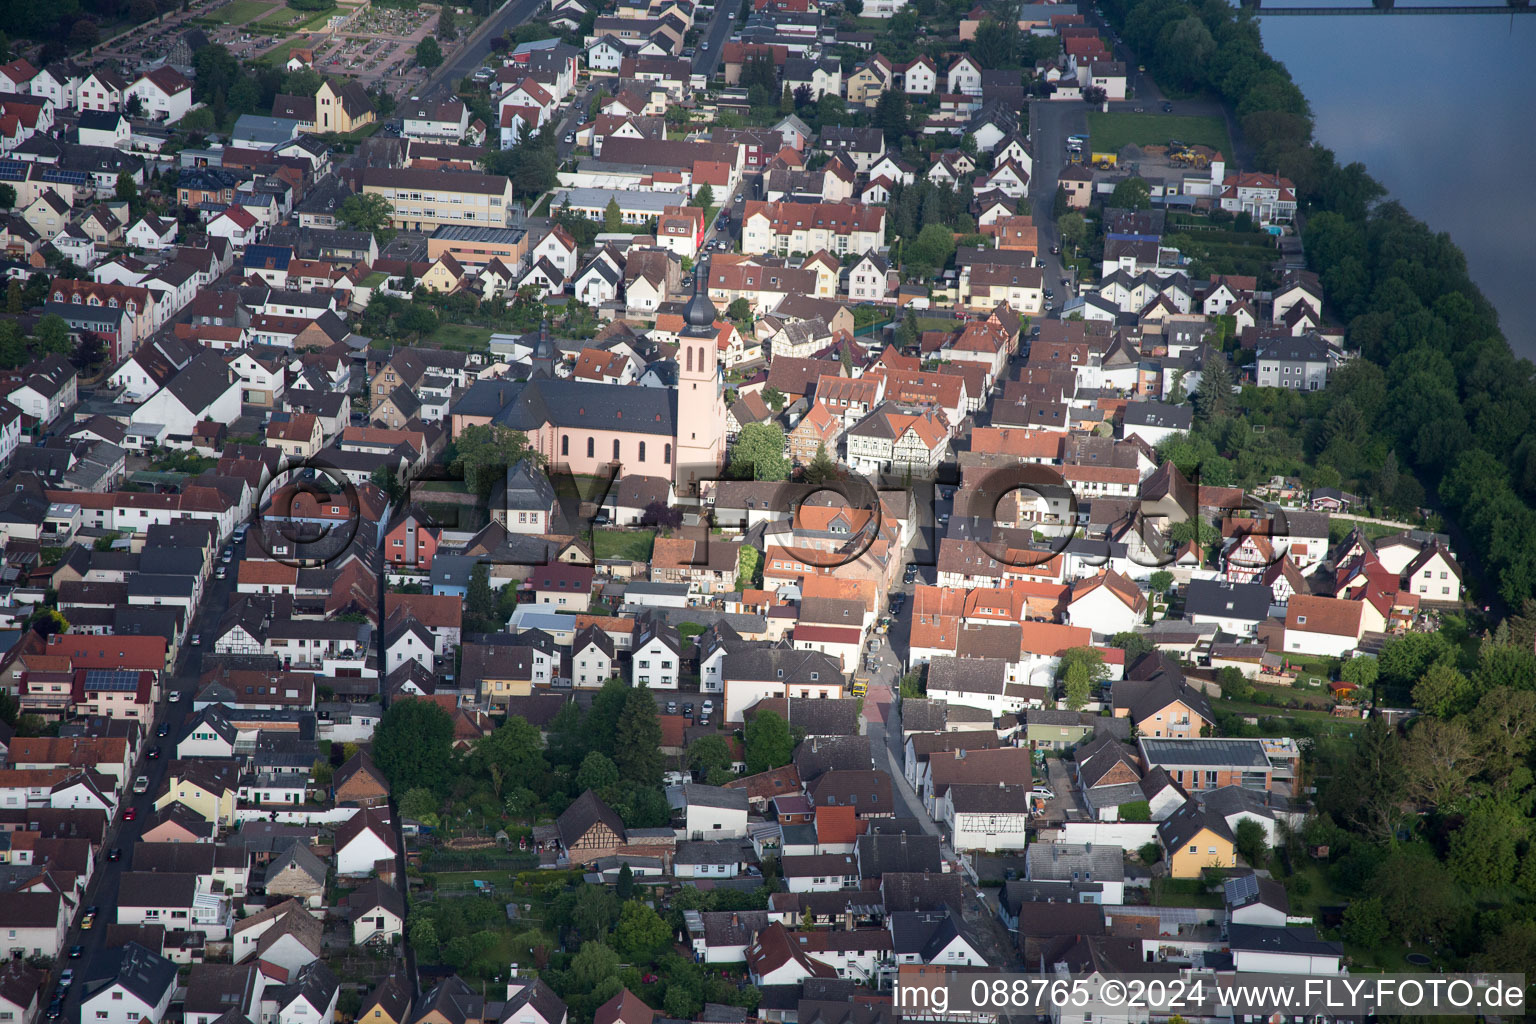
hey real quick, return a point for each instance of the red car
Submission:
(130, 814)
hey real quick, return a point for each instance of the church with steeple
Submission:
(587, 427)
(700, 393)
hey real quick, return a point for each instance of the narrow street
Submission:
(121, 835)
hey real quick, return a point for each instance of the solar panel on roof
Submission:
(13, 170)
(67, 177)
(116, 680)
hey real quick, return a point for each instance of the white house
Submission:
(981, 817)
(165, 93)
(150, 232)
(1326, 626)
(657, 657)
(126, 985)
(204, 389)
(592, 662)
(1107, 603)
(1282, 950)
(33, 923)
(932, 938)
(378, 913)
(362, 841)
(710, 812)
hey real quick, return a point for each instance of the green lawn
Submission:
(278, 55)
(634, 545)
(462, 337)
(1183, 892)
(1111, 132)
(239, 12)
(445, 486)
(286, 19)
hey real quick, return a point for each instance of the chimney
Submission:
(735, 920)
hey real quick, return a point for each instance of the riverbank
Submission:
(1438, 390)
(1465, 175)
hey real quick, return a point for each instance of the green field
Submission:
(278, 55)
(1112, 132)
(285, 19)
(461, 337)
(634, 545)
(239, 12)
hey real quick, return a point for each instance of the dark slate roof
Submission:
(588, 405)
(879, 854)
(141, 972)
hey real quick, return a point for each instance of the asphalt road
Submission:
(1049, 125)
(706, 60)
(122, 835)
(444, 82)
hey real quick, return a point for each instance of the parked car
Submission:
(570, 138)
(154, 752)
(115, 853)
(688, 709)
(76, 952)
(67, 978)
(671, 707)
(130, 814)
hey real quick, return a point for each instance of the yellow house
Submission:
(390, 1003)
(342, 108)
(206, 788)
(443, 276)
(1193, 841)
(865, 86)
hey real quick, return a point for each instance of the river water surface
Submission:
(1442, 111)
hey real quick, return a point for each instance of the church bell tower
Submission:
(700, 452)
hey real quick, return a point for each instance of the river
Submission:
(1442, 111)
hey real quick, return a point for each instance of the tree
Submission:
(597, 772)
(1132, 643)
(758, 453)
(14, 303)
(1215, 393)
(480, 601)
(385, 479)
(1365, 924)
(1359, 670)
(1072, 229)
(1131, 194)
(7, 197)
(768, 742)
(708, 755)
(640, 933)
(772, 396)
(739, 310)
(367, 211)
(704, 197)
(930, 250)
(1160, 582)
(1442, 691)
(593, 964)
(52, 334)
(821, 468)
(1439, 762)
(637, 741)
(418, 319)
(996, 43)
(594, 913)
(1079, 669)
(446, 29)
(908, 333)
(511, 756)
(127, 190)
(749, 564)
(1484, 851)
(1251, 841)
(892, 118)
(428, 54)
(413, 746)
(483, 454)
(613, 217)
(421, 805)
